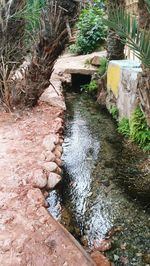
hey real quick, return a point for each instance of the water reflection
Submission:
(80, 152)
(94, 202)
(54, 202)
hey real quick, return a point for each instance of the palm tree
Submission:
(26, 28)
(115, 48)
(52, 38)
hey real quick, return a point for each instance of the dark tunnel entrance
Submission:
(78, 80)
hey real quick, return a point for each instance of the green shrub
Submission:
(103, 66)
(139, 131)
(91, 30)
(73, 49)
(114, 111)
(124, 127)
(91, 88)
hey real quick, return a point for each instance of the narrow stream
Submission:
(91, 204)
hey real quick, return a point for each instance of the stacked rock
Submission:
(49, 173)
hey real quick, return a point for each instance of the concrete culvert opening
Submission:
(78, 80)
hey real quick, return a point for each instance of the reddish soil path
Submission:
(28, 234)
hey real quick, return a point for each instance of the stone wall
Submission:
(122, 81)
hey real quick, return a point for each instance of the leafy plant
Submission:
(103, 66)
(139, 131)
(91, 30)
(124, 127)
(91, 88)
(74, 49)
(126, 26)
(114, 111)
(136, 129)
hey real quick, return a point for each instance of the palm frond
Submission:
(127, 28)
(148, 4)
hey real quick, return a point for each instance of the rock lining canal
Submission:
(90, 203)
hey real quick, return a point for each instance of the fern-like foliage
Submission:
(127, 28)
(139, 131)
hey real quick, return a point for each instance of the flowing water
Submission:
(91, 203)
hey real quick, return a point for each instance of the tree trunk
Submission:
(144, 77)
(144, 15)
(52, 40)
(115, 48)
(144, 93)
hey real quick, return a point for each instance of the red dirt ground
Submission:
(28, 234)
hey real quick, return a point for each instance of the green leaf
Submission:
(128, 29)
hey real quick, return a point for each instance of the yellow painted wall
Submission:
(113, 78)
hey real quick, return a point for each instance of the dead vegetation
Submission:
(46, 44)
(11, 45)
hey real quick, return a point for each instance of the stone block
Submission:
(100, 259)
(122, 81)
(50, 167)
(95, 61)
(53, 180)
(51, 97)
